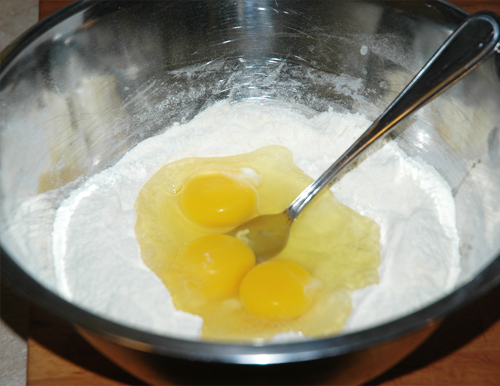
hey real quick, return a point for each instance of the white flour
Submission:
(97, 258)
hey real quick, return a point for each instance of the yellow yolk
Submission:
(216, 199)
(215, 265)
(333, 249)
(277, 289)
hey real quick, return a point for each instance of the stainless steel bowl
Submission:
(159, 62)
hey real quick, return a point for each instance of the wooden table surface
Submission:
(465, 350)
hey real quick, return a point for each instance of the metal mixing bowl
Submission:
(160, 62)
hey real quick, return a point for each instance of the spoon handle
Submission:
(474, 41)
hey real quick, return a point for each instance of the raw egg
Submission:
(214, 265)
(218, 199)
(278, 289)
(183, 213)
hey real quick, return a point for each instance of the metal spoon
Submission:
(474, 41)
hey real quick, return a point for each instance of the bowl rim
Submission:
(274, 353)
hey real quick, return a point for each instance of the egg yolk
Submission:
(215, 265)
(277, 289)
(331, 251)
(216, 199)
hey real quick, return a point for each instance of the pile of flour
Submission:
(97, 259)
